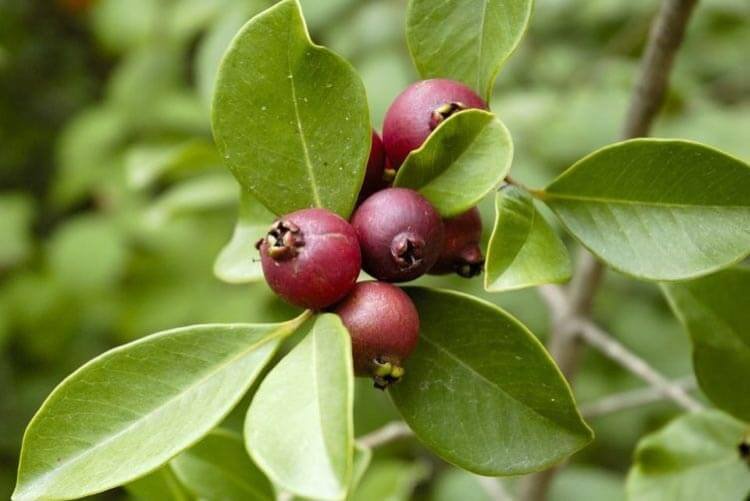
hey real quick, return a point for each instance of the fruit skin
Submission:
(375, 174)
(400, 234)
(419, 109)
(310, 258)
(384, 326)
(461, 252)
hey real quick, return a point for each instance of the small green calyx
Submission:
(385, 373)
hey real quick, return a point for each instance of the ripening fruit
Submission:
(384, 327)
(400, 234)
(418, 110)
(310, 258)
(375, 174)
(461, 252)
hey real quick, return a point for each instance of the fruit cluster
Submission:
(312, 258)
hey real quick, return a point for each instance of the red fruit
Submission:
(310, 258)
(375, 173)
(384, 326)
(400, 234)
(461, 253)
(418, 110)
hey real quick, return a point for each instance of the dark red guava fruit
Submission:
(375, 176)
(310, 258)
(400, 234)
(461, 252)
(384, 326)
(418, 110)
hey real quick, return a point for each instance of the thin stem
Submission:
(664, 39)
(613, 349)
(633, 399)
(388, 433)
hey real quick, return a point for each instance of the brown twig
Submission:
(633, 399)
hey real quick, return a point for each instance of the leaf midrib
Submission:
(74, 459)
(492, 383)
(303, 140)
(552, 196)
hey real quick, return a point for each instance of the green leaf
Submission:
(362, 458)
(146, 164)
(239, 261)
(463, 160)
(657, 209)
(291, 118)
(391, 480)
(218, 468)
(206, 192)
(694, 458)
(465, 40)
(299, 428)
(129, 410)
(482, 393)
(16, 212)
(159, 485)
(524, 250)
(715, 313)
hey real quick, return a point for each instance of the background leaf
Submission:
(657, 209)
(714, 310)
(239, 260)
(131, 409)
(291, 118)
(464, 159)
(524, 250)
(218, 469)
(694, 458)
(159, 485)
(480, 383)
(391, 480)
(465, 40)
(299, 428)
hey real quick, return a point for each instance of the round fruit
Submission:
(418, 110)
(375, 173)
(461, 253)
(400, 234)
(384, 327)
(310, 258)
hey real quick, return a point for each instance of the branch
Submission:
(387, 433)
(633, 399)
(664, 39)
(613, 349)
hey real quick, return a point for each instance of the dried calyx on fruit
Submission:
(418, 110)
(384, 326)
(310, 258)
(400, 234)
(461, 253)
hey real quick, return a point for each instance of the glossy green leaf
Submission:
(291, 118)
(481, 391)
(524, 250)
(694, 458)
(657, 209)
(159, 485)
(299, 428)
(218, 469)
(131, 409)
(391, 480)
(239, 261)
(465, 40)
(463, 160)
(714, 310)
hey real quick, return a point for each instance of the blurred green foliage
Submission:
(114, 203)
